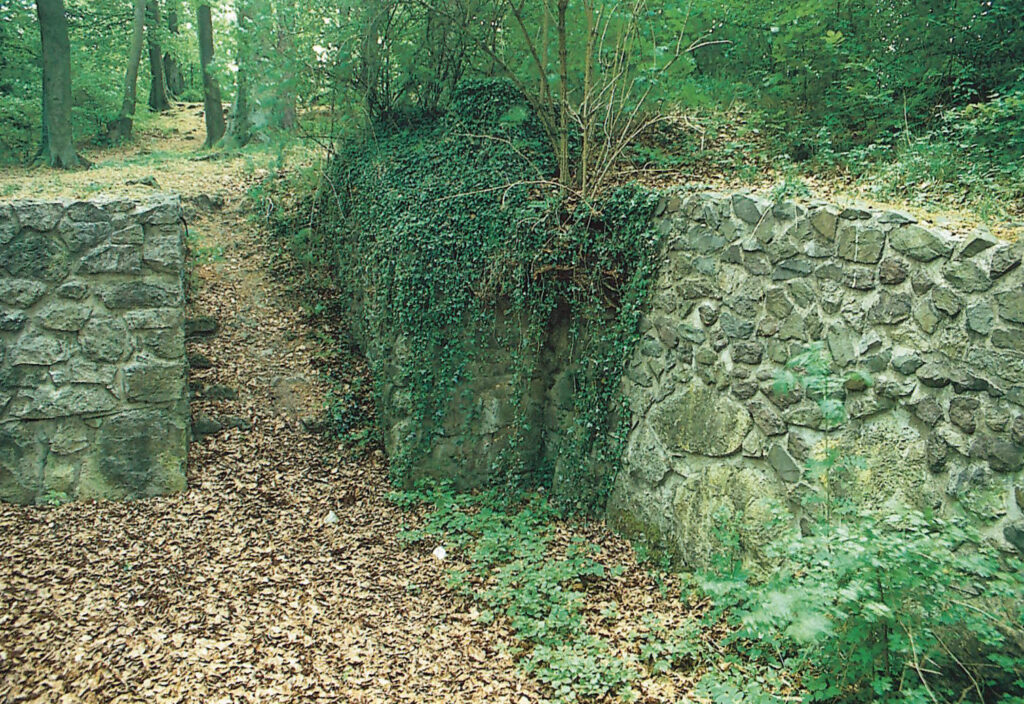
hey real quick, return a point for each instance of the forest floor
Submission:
(245, 588)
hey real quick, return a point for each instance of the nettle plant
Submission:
(883, 604)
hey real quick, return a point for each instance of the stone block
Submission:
(150, 380)
(60, 402)
(104, 339)
(140, 294)
(66, 317)
(860, 243)
(33, 255)
(112, 259)
(164, 248)
(920, 243)
(38, 215)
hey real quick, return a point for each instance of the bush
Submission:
(887, 605)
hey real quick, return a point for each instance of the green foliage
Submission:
(448, 221)
(887, 604)
(511, 571)
(53, 498)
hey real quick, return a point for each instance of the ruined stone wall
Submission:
(93, 395)
(936, 318)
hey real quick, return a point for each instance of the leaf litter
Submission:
(279, 575)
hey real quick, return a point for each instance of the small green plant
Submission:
(53, 498)
(513, 572)
(663, 649)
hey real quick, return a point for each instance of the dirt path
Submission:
(238, 590)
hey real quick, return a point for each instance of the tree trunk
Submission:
(172, 69)
(212, 106)
(157, 91)
(286, 96)
(564, 177)
(58, 144)
(121, 128)
(240, 129)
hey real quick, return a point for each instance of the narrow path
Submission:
(238, 590)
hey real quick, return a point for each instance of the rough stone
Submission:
(928, 409)
(735, 327)
(140, 294)
(747, 352)
(150, 380)
(1011, 305)
(21, 292)
(708, 314)
(38, 348)
(36, 256)
(12, 321)
(766, 418)
(1004, 338)
(980, 318)
(142, 454)
(892, 271)
(164, 250)
(1005, 259)
(701, 421)
(81, 236)
(48, 402)
(859, 243)
(946, 301)
(73, 290)
(977, 243)
(824, 222)
(67, 317)
(966, 276)
(926, 315)
(205, 425)
(1014, 534)
(890, 309)
(920, 243)
(783, 464)
(963, 413)
(112, 259)
(104, 339)
(747, 209)
(38, 215)
(934, 374)
(84, 211)
(907, 363)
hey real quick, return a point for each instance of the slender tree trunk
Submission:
(240, 128)
(286, 91)
(157, 91)
(121, 128)
(172, 69)
(564, 177)
(58, 143)
(212, 106)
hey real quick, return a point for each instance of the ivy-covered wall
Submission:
(93, 395)
(933, 319)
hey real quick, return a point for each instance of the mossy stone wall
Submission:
(93, 394)
(936, 319)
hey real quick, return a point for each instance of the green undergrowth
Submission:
(856, 604)
(448, 237)
(885, 605)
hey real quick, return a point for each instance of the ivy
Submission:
(443, 230)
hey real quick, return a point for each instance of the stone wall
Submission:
(93, 395)
(935, 318)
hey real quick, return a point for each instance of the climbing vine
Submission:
(450, 236)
